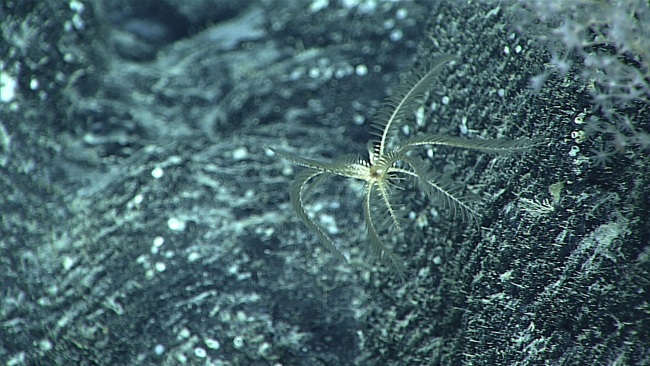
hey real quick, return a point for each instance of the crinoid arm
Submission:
(403, 102)
(498, 146)
(351, 166)
(377, 246)
(447, 192)
(297, 194)
(307, 163)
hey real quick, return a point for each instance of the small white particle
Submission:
(287, 170)
(212, 343)
(419, 117)
(193, 257)
(506, 50)
(318, 207)
(200, 352)
(159, 349)
(423, 272)
(238, 342)
(358, 119)
(434, 213)
(138, 199)
(175, 224)
(463, 126)
(506, 276)
(318, 5)
(517, 48)
(33, 84)
(8, 87)
(68, 263)
(314, 73)
(349, 4)
(78, 22)
(157, 173)
(396, 35)
(67, 26)
(158, 241)
(361, 70)
(264, 349)
(401, 13)
(330, 223)
(45, 345)
(421, 222)
(445, 100)
(327, 73)
(367, 7)
(241, 316)
(240, 153)
(161, 267)
(184, 333)
(580, 119)
(77, 6)
(296, 74)
(501, 92)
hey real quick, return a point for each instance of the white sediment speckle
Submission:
(157, 173)
(240, 153)
(159, 349)
(238, 342)
(77, 6)
(176, 224)
(200, 352)
(361, 70)
(161, 267)
(396, 35)
(45, 344)
(193, 257)
(318, 5)
(158, 241)
(212, 343)
(184, 333)
(8, 87)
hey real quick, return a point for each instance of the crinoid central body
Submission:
(386, 167)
